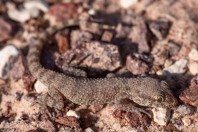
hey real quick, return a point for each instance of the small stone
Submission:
(168, 63)
(185, 109)
(5, 29)
(62, 42)
(40, 87)
(140, 36)
(193, 67)
(190, 94)
(8, 56)
(73, 114)
(173, 48)
(193, 55)
(159, 28)
(178, 67)
(88, 130)
(186, 121)
(107, 36)
(19, 15)
(136, 66)
(161, 115)
(36, 4)
(60, 12)
(127, 3)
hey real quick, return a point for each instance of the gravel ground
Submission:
(156, 38)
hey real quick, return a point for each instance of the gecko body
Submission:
(145, 91)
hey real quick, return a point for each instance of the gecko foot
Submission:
(131, 108)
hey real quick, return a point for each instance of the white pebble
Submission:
(8, 55)
(185, 109)
(73, 114)
(40, 87)
(19, 15)
(178, 67)
(88, 130)
(161, 115)
(92, 12)
(127, 3)
(33, 12)
(193, 67)
(193, 55)
(36, 4)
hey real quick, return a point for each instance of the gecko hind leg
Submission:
(130, 107)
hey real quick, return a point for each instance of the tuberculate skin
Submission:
(145, 91)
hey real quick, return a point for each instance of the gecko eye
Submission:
(159, 98)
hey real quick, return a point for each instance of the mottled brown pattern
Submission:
(86, 91)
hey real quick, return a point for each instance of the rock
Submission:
(161, 115)
(94, 54)
(60, 12)
(31, 9)
(139, 35)
(62, 42)
(136, 66)
(185, 109)
(186, 121)
(22, 15)
(178, 67)
(173, 48)
(127, 3)
(36, 4)
(193, 67)
(159, 28)
(73, 114)
(8, 56)
(107, 36)
(40, 87)
(193, 55)
(5, 29)
(19, 68)
(88, 130)
(190, 94)
(80, 36)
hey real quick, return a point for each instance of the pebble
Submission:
(31, 10)
(88, 130)
(5, 29)
(40, 87)
(8, 55)
(161, 115)
(127, 3)
(19, 15)
(36, 4)
(193, 55)
(186, 121)
(185, 109)
(178, 67)
(193, 67)
(73, 114)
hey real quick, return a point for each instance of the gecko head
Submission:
(156, 94)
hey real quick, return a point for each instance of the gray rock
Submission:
(178, 67)
(8, 56)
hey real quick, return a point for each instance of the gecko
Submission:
(144, 91)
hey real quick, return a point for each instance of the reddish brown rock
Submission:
(190, 94)
(136, 66)
(5, 29)
(61, 12)
(139, 35)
